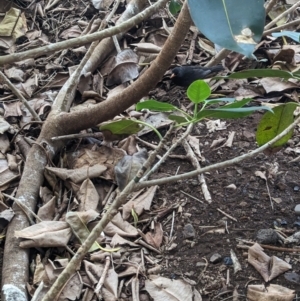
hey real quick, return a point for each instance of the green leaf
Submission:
(273, 124)
(178, 119)
(217, 100)
(135, 217)
(237, 104)
(229, 113)
(155, 105)
(198, 91)
(121, 127)
(174, 7)
(225, 22)
(291, 34)
(261, 73)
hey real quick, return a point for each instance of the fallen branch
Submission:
(15, 267)
(80, 41)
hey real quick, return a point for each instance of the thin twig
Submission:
(226, 214)
(103, 276)
(278, 18)
(24, 208)
(269, 6)
(191, 196)
(218, 165)
(165, 156)
(172, 225)
(281, 27)
(192, 157)
(19, 95)
(218, 58)
(79, 135)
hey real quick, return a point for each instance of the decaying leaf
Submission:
(88, 196)
(121, 227)
(140, 203)
(47, 211)
(259, 292)
(127, 168)
(77, 175)
(45, 234)
(268, 267)
(78, 222)
(117, 240)
(125, 68)
(155, 237)
(161, 288)
(88, 156)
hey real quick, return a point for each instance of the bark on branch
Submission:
(15, 267)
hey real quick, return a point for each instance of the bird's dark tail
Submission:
(216, 68)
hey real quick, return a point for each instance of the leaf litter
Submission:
(82, 181)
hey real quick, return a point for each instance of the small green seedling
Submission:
(198, 93)
(271, 124)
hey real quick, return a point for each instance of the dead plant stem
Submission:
(19, 95)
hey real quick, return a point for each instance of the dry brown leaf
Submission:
(117, 240)
(259, 260)
(47, 211)
(12, 109)
(129, 145)
(259, 292)
(122, 73)
(39, 270)
(166, 289)
(72, 32)
(77, 175)
(78, 222)
(121, 227)
(54, 268)
(274, 84)
(45, 234)
(126, 169)
(129, 271)
(4, 125)
(88, 196)
(140, 203)
(124, 68)
(72, 289)
(15, 74)
(103, 155)
(268, 267)
(278, 267)
(155, 237)
(6, 175)
(261, 174)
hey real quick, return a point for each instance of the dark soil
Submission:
(249, 204)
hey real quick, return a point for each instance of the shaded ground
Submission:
(249, 204)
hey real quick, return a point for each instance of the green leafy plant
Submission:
(238, 24)
(198, 93)
(274, 123)
(120, 129)
(174, 6)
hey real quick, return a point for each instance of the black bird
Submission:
(185, 75)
